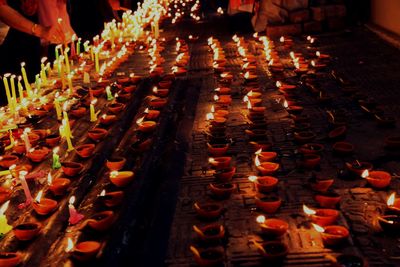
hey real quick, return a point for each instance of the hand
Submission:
(53, 34)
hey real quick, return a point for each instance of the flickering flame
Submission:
(70, 245)
(39, 196)
(71, 200)
(146, 111)
(103, 193)
(258, 152)
(365, 174)
(318, 54)
(247, 75)
(250, 93)
(245, 65)
(211, 160)
(249, 105)
(252, 178)
(216, 98)
(255, 35)
(282, 39)
(309, 38)
(4, 208)
(318, 228)
(114, 174)
(246, 99)
(49, 179)
(212, 109)
(140, 120)
(257, 161)
(155, 89)
(278, 84)
(43, 60)
(313, 63)
(93, 102)
(56, 149)
(260, 219)
(308, 211)
(223, 75)
(391, 199)
(292, 54)
(285, 104)
(210, 116)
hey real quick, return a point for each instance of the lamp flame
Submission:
(39, 196)
(365, 174)
(391, 199)
(257, 161)
(209, 116)
(252, 178)
(71, 200)
(260, 219)
(308, 211)
(70, 245)
(49, 179)
(318, 228)
(103, 193)
(4, 208)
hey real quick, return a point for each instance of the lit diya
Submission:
(151, 114)
(121, 178)
(389, 223)
(393, 204)
(220, 162)
(266, 156)
(83, 251)
(377, 179)
(208, 257)
(266, 168)
(208, 211)
(146, 126)
(264, 184)
(222, 190)
(357, 167)
(44, 206)
(108, 119)
(272, 251)
(321, 217)
(272, 227)
(111, 199)
(332, 235)
(58, 186)
(211, 232)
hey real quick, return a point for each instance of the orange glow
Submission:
(70, 245)
(252, 178)
(318, 228)
(308, 211)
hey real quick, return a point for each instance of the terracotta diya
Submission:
(327, 199)
(343, 148)
(322, 217)
(27, 231)
(10, 259)
(225, 175)
(272, 227)
(208, 257)
(211, 232)
(272, 251)
(208, 210)
(377, 179)
(268, 204)
(222, 190)
(332, 235)
(264, 184)
(71, 168)
(97, 134)
(8, 160)
(115, 163)
(220, 162)
(111, 199)
(121, 178)
(101, 221)
(85, 251)
(358, 167)
(266, 168)
(44, 206)
(85, 150)
(59, 186)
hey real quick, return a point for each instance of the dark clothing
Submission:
(88, 17)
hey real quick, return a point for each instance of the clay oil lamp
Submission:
(266, 156)
(208, 211)
(211, 232)
(146, 126)
(58, 186)
(222, 90)
(377, 179)
(121, 178)
(158, 103)
(27, 231)
(293, 109)
(222, 190)
(256, 134)
(115, 163)
(223, 99)
(311, 148)
(151, 114)
(83, 251)
(328, 199)
(264, 184)
(98, 91)
(226, 77)
(165, 84)
(272, 251)
(53, 140)
(108, 119)
(266, 168)
(208, 257)
(123, 97)
(101, 221)
(304, 136)
(85, 150)
(71, 169)
(37, 154)
(268, 204)
(97, 134)
(220, 163)
(250, 77)
(392, 142)
(225, 175)
(44, 206)
(217, 150)
(78, 112)
(135, 79)
(357, 167)
(272, 227)
(116, 108)
(393, 204)
(343, 148)
(129, 89)
(8, 160)
(111, 199)
(321, 56)
(10, 259)
(349, 260)
(390, 223)
(261, 144)
(338, 133)
(160, 92)
(385, 121)
(310, 161)
(332, 235)
(322, 217)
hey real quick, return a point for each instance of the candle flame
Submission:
(114, 174)
(210, 116)
(282, 39)
(260, 219)
(216, 98)
(285, 104)
(71, 200)
(391, 199)
(4, 208)
(318, 54)
(308, 211)
(365, 174)
(313, 63)
(252, 178)
(56, 149)
(258, 152)
(257, 161)
(318, 228)
(49, 179)
(103, 193)
(39, 196)
(70, 245)
(139, 121)
(247, 75)
(249, 105)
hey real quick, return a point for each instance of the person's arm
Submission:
(15, 20)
